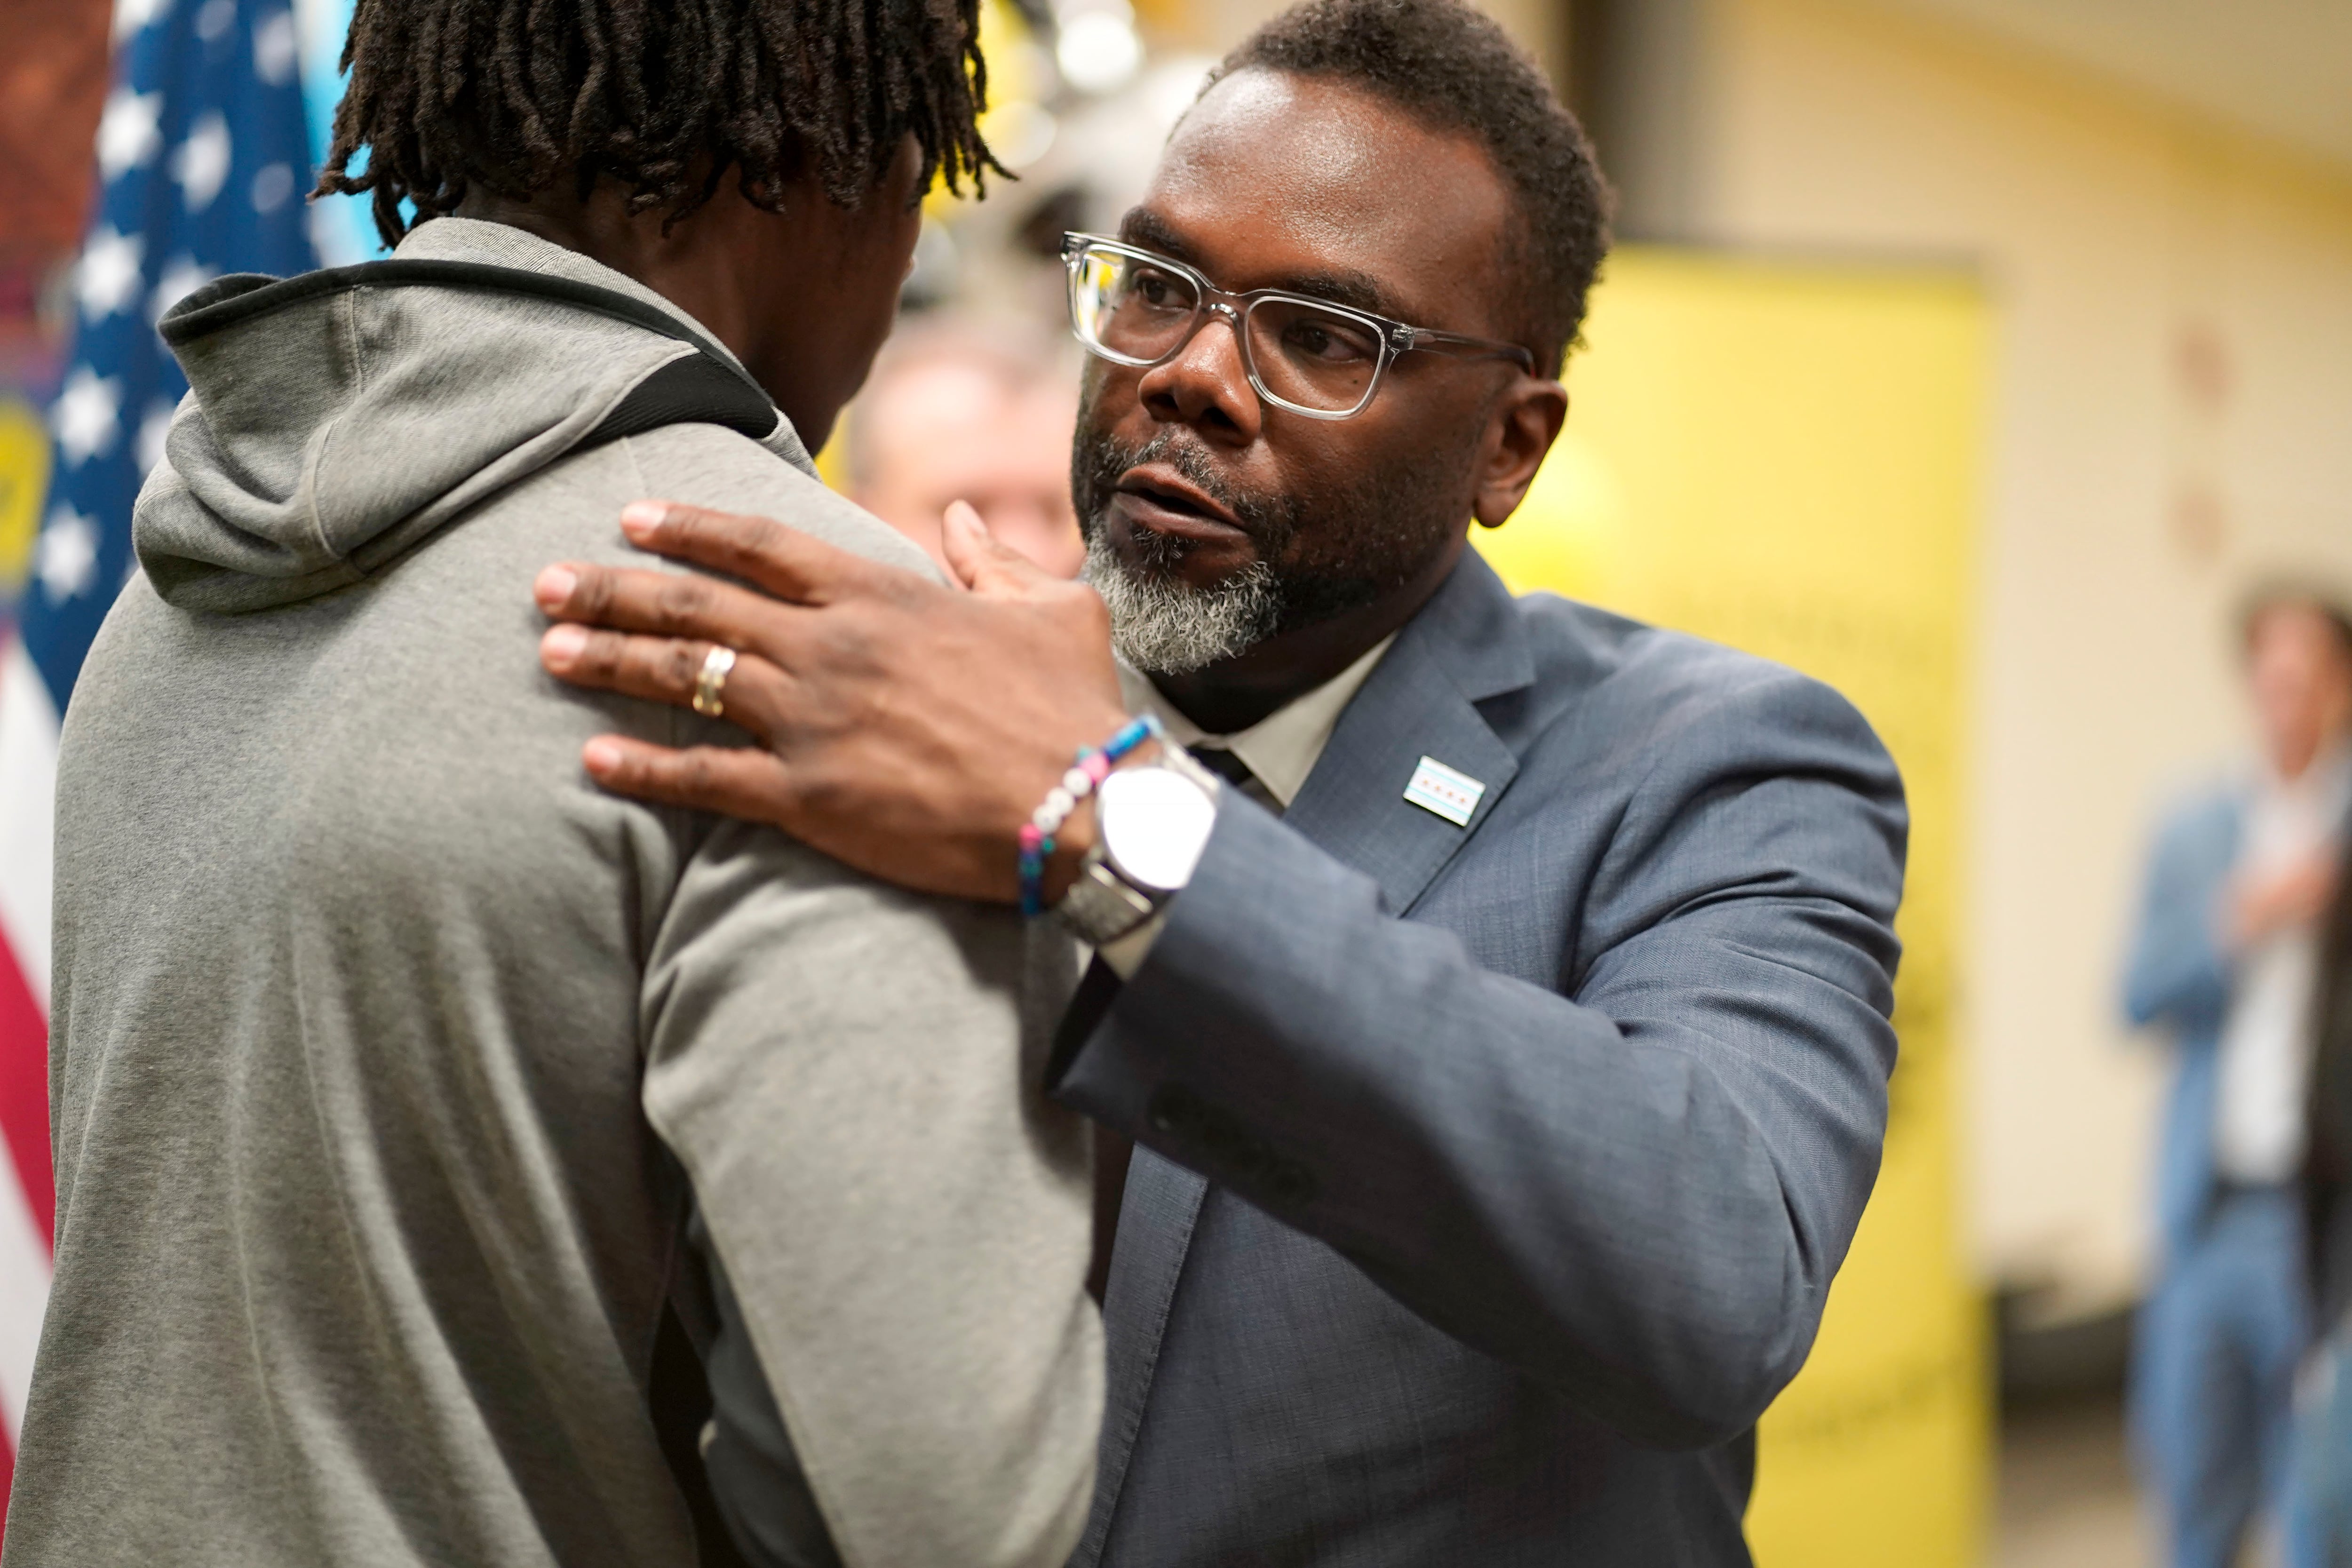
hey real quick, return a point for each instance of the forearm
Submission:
(1585, 1192)
(2178, 975)
(2179, 972)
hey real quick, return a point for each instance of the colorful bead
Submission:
(1085, 774)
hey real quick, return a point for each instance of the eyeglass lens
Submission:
(1304, 356)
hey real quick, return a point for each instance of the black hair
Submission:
(664, 97)
(2286, 594)
(1454, 70)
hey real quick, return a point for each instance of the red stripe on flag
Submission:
(25, 1093)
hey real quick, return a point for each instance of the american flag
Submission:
(202, 161)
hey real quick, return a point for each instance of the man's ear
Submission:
(1520, 431)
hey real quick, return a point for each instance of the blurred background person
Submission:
(958, 411)
(2324, 1445)
(2227, 957)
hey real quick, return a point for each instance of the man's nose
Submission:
(1206, 385)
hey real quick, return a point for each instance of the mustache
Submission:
(1102, 459)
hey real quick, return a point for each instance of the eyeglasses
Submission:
(1309, 356)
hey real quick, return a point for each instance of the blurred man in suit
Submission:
(2227, 961)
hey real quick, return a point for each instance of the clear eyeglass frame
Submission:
(1395, 337)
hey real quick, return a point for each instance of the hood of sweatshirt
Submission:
(336, 420)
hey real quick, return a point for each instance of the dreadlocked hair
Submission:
(663, 97)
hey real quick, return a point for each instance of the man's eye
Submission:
(1326, 341)
(1156, 288)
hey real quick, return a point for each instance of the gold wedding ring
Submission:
(711, 685)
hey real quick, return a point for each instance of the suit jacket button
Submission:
(1172, 1110)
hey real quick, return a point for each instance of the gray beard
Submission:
(1162, 625)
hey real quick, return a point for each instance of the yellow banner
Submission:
(23, 482)
(1786, 458)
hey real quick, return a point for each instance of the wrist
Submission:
(1052, 845)
(1071, 846)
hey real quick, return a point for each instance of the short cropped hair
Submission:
(1453, 70)
(665, 98)
(2291, 593)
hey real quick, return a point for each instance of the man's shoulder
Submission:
(710, 466)
(1606, 644)
(1664, 686)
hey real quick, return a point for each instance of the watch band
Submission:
(1102, 906)
(1177, 760)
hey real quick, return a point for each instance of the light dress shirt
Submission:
(2266, 1036)
(1280, 750)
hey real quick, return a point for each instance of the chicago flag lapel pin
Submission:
(1445, 791)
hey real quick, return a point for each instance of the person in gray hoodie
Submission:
(449, 1151)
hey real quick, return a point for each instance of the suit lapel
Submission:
(1155, 1230)
(1421, 701)
(1464, 646)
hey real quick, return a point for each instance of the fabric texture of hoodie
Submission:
(389, 1054)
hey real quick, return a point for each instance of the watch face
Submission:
(1154, 823)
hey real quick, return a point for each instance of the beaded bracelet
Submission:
(1092, 766)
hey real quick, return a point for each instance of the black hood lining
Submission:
(688, 390)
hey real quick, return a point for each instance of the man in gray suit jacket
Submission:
(1503, 1037)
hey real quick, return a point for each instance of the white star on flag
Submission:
(328, 238)
(183, 275)
(65, 559)
(201, 164)
(274, 48)
(132, 16)
(152, 432)
(271, 187)
(128, 132)
(107, 280)
(216, 18)
(85, 418)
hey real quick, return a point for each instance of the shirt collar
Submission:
(1282, 747)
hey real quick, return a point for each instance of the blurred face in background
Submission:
(2299, 674)
(958, 423)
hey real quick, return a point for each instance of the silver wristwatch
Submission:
(1151, 825)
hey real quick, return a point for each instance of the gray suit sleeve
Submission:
(846, 1074)
(1635, 1188)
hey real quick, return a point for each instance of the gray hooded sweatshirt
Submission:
(390, 1055)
